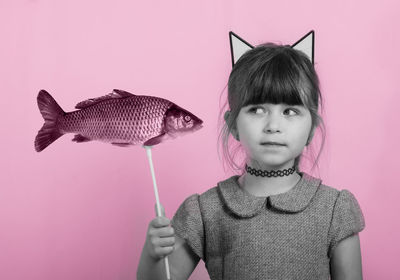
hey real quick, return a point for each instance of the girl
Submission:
(272, 221)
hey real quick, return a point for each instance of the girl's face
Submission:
(273, 135)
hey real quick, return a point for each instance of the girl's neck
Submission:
(266, 186)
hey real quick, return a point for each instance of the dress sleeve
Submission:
(347, 219)
(188, 224)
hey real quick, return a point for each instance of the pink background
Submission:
(80, 211)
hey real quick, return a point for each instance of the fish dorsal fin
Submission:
(116, 93)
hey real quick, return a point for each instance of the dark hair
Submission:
(271, 73)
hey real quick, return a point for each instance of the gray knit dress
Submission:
(286, 236)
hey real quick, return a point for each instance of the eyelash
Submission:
(293, 110)
(254, 110)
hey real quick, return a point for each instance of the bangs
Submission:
(278, 81)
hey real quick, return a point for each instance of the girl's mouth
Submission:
(272, 144)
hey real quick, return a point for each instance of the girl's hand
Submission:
(160, 238)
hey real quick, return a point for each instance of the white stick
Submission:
(148, 151)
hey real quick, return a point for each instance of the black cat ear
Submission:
(239, 46)
(306, 45)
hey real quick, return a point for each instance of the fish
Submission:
(120, 118)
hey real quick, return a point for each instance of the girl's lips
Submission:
(272, 144)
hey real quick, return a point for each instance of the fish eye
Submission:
(187, 118)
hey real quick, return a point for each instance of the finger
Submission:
(160, 222)
(166, 241)
(165, 232)
(161, 232)
(164, 251)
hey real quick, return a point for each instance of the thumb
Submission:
(162, 210)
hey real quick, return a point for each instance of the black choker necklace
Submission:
(272, 173)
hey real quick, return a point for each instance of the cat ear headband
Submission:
(239, 46)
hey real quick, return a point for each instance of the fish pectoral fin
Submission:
(122, 144)
(156, 140)
(80, 138)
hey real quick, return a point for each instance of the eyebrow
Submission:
(284, 104)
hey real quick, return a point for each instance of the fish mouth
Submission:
(197, 127)
(198, 123)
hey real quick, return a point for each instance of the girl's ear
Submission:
(233, 130)
(226, 116)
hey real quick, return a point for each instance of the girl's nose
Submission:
(272, 125)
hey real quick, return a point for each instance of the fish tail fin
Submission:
(50, 111)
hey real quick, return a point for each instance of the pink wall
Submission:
(80, 211)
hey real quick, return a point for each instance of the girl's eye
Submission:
(290, 112)
(257, 110)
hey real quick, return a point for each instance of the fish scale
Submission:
(120, 118)
(133, 119)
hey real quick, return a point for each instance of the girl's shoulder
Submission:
(309, 193)
(337, 195)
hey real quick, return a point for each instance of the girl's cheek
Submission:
(247, 150)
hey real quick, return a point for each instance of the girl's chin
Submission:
(270, 165)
